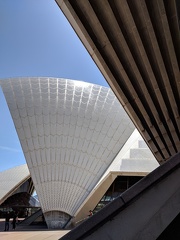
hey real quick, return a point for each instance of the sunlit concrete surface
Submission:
(39, 235)
(30, 234)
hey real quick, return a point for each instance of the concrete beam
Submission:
(146, 208)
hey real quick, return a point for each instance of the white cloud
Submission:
(9, 149)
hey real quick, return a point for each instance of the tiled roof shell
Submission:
(11, 179)
(70, 132)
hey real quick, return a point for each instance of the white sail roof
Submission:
(70, 133)
(11, 179)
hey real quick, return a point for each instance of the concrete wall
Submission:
(142, 212)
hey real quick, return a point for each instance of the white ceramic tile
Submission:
(69, 138)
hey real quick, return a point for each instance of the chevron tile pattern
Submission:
(10, 179)
(70, 132)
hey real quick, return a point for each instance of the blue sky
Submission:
(36, 40)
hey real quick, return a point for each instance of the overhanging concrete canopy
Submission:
(136, 45)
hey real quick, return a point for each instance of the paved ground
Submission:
(30, 234)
